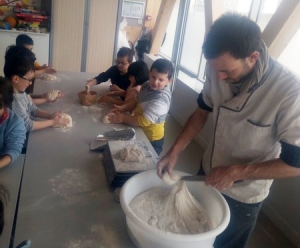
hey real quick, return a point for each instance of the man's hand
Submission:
(223, 177)
(167, 163)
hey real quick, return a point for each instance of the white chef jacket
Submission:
(253, 126)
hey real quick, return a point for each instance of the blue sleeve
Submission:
(201, 103)
(104, 76)
(290, 154)
(14, 138)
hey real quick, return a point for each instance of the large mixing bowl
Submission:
(145, 236)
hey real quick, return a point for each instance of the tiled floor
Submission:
(265, 235)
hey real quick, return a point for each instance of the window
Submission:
(193, 37)
(184, 47)
(267, 9)
(167, 47)
(291, 54)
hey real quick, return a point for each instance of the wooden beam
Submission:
(282, 26)
(161, 24)
(213, 9)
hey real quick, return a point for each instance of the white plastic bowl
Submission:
(145, 236)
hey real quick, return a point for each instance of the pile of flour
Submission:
(172, 210)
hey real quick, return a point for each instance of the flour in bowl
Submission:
(172, 210)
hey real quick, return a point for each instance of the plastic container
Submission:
(145, 236)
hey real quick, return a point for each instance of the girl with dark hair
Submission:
(138, 74)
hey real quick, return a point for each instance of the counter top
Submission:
(65, 199)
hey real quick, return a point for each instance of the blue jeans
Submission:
(158, 145)
(243, 218)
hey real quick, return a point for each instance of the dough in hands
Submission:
(49, 77)
(170, 179)
(68, 117)
(132, 154)
(52, 95)
(105, 119)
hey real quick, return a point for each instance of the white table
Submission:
(10, 178)
(65, 199)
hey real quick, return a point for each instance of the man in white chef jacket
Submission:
(255, 106)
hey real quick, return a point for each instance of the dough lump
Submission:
(105, 119)
(49, 77)
(170, 179)
(172, 210)
(132, 154)
(68, 117)
(52, 95)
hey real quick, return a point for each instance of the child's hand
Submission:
(103, 99)
(116, 109)
(114, 87)
(87, 89)
(58, 121)
(56, 114)
(116, 117)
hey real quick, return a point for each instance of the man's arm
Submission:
(223, 177)
(192, 127)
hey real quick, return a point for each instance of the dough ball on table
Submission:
(170, 179)
(49, 77)
(132, 154)
(105, 119)
(52, 95)
(67, 117)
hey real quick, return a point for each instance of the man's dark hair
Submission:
(24, 39)
(139, 70)
(18, 61)
(125, 51)
(163, 66)
(232, 33)
(6, 92)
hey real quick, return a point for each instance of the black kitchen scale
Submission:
(117, 171)
(111, 143)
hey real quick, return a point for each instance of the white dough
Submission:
(52, 95)
(174, 178)
(68, 117)
(132, 154)
(172, 210)
(105, 119)
(49, 77)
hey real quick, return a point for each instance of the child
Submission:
(26, 41)
(12, 129)
(117, 73)
(153, 104)
(24, 52)
(20, 71)
(138, 74)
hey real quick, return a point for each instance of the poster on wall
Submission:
(133, 9)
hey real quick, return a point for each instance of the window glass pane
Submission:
(193, 37)
(267, 9)
(291, 54)
(240, 6)
(168, 43)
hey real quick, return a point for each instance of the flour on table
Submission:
(172, 210)
(49, 77)
(52, 95)
(132, 154)
(67, 117)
